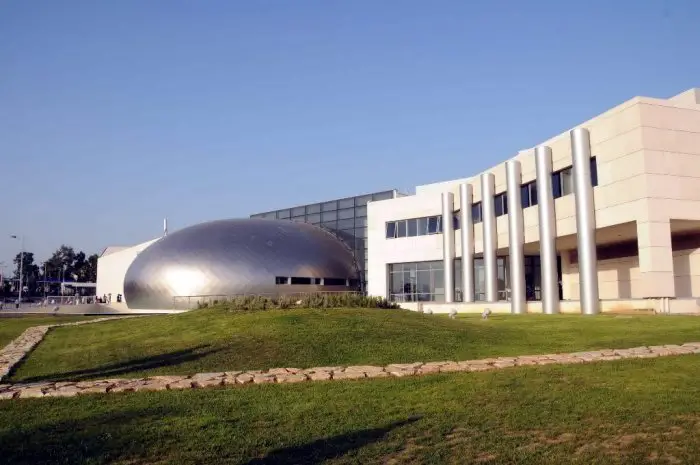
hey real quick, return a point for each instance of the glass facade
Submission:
(425, 281)
(346, 218)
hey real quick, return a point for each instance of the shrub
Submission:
(314, 300)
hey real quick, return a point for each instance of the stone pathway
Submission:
(297, 375)
(15, 351)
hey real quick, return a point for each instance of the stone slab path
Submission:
(297, 375)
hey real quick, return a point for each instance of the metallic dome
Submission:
(234, 257)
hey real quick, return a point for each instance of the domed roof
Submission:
(234, 257)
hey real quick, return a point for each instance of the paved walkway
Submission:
(18, 348)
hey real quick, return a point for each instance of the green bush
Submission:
(315, 300)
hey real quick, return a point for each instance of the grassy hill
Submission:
(216, 340)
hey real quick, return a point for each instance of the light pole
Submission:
(21, 265)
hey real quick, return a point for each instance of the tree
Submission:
(30, 271)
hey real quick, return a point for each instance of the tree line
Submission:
(65, 265)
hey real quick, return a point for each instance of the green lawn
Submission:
(631, 411)
(10, 328)
(214, 340)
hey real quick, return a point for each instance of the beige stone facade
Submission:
(647, 205)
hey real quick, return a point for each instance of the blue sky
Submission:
(116, 114)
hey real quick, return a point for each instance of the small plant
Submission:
(312, 300)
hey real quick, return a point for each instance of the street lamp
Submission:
(21, 265)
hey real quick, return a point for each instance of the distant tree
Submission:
(68, 265)
(30, 271)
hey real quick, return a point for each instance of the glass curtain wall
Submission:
(346, 218)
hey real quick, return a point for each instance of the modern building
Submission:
(346, 218)
(605, 215)
(227, 258)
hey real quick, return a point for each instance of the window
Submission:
(455, 220)
(528, 194)
(476, 213)
(314, 219)
(412, 227)
(501, 204)
(298, 211)
(594, 172)
(346, 203)
(317, 280)
(315, 208)
(346, 224)
(422, 227)
(567, 182)
(346, 213)
(283, 214)
(433, 225)
(300, 219)
(361, 211)
(401, 228)
(362, 201)
(296, 280)
(329, 216)
(329, 206)
(360, 232)
(391, 230)
(556, 185)
(383, 196)
(334, 282)
(360, 222)
(281, 280)
(416, 282)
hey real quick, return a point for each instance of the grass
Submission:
(631, 411)
(12, 327)
(214, 340)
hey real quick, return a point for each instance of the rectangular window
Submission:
(360, 232)
(391, 229)
(556, 185)
(300, 219)
(329, 216)
(346, 203)
(330, 224)
(401, 228)
(412, 227)
(360, 222)
(501, 204)
(281, 280)
(567, 182)
(594, 172)
(455, 220)
(283, 214)
(315, 208)
(270, 215)
(362, 201)
(346, 213)
(296, 280)
(313, 219)
(433, 225)
(476, 213)
(317, 281)
(329, 206)
(422, 226)
(360, 211)
(525, 195)
(298, 211)
(334, 282)
(533, 193)
(346, 224)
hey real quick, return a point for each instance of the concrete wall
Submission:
(112, 268)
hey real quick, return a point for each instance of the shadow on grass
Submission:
(329, 448)
(139, 364)
(97, 438)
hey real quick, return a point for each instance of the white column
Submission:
(548, 231)
(585, 221)
(466, 223)
(516, 238)
(488, 214)
(448, 245)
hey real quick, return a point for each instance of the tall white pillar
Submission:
(585, 221)
(448, 245)
(488, 215)
(516, 238)
(548, 231)
(466, 222)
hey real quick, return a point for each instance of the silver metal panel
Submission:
(466, 198)
(448, 245)
(585, 221)
(490, 238)
(548, 231)
(233, 257)
(516, 238)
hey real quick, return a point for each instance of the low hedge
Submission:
(248, 303)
